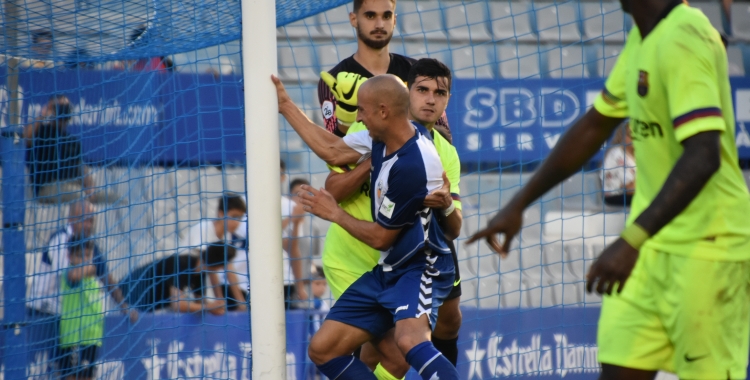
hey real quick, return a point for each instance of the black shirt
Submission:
(148, 287)
(54, 156)
(399, 67)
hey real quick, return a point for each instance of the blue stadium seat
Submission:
(531, 234)
(741, 21)
(511, 21)
(307, 28)
(437, 50)
(536, 293)
(297, 63)
(466, 21)
(330, 55)
(165, 226)
(736, 61)
(488, 291)
(518, 61)
(474, 62)
(420, 20)
(713, 11)
(566, 62)
(335, 23)
(510, 290)
(468, 292)
(397, 45)
(557, 22)
(604, 21)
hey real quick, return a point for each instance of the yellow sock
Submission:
(383, 374)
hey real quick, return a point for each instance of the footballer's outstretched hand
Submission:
(319, 203)
(344, 88)
(281, 94)
(612, 268)
(507, 222)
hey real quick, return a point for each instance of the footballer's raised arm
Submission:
(331, 149)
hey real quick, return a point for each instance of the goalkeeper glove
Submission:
(344, 88)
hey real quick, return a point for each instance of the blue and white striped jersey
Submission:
(400, 181)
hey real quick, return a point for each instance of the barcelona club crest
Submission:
(642, 83)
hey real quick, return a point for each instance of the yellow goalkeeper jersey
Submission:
(341, 250)
(672, 85)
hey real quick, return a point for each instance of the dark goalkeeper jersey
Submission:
(400, 66)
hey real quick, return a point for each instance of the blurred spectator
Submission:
(42, 43)
(304, 234)
(178, 282)
(82, 313)
(55, 159)
(79, 58)
(292, 217)
(139, 37)
(319, 288)
(43, 308)
(618, 169)
(230, 212)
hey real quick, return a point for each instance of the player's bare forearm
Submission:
(327, 146)
(575, 147)
(370, 233)
(452, 224)
(344, 185)
(700, 159)
(115, 291)
(234, 288)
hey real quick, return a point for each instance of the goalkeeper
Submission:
(374, 21)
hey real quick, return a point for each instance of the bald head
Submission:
(386, 89)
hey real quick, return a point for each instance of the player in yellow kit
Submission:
(677, 282)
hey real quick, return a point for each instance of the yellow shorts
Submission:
(679, 314)
(339, 279)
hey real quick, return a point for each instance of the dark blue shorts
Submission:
(378, 299)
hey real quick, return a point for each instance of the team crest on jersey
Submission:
(387, 207)
(642, 83)
(379, 191)
(327, 108)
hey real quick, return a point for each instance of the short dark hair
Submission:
(283, 165)
(78, 244)
(358, 4)
(230, 202)
(296, 182)
(41, 34)
(430, 68)
(63, 108)
(218, 253)
(319, 273)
